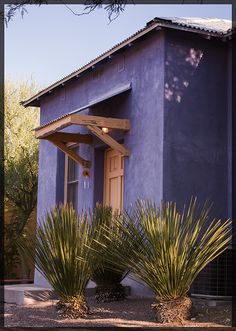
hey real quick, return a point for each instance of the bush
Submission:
(166, 250)
(110, 272)
(63, 252)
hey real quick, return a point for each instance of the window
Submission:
(71, 181)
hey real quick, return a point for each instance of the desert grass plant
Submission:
(167, 249)
(63, 253)
(107, 276)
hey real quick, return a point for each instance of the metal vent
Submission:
(121, 64)
(216, 278)
(97, 73)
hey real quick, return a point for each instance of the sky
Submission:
(50, 42)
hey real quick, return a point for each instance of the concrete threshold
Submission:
(26, 294)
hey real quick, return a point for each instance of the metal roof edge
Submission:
(101, 57)
(151, 25)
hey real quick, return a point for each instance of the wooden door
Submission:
(113, 179)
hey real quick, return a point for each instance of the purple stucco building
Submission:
(171, 83)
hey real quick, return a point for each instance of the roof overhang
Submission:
(35, 100)
(155, 24)
(104, 97)
(51, 132)
(80, 119)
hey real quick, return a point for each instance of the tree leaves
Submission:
(21, 147)
(20, 162)
(112, 7)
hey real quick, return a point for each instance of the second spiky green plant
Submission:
(110, 272)
(166, 249)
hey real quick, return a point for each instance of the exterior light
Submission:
(86, 175)
(105, 130)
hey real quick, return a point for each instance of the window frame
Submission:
(66, 171)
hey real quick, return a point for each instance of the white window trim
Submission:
(66, 182)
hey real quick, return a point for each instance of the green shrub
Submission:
(166, 249)
(64, 254)
(110, 272)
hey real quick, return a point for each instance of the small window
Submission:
(71, 181)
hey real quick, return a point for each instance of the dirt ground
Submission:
(133, 312)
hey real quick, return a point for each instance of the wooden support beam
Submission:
(108, 122)
(72, 137)
(79, 119)
(70, 153)
(109, 140)
(52, 127)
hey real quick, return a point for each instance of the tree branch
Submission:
(112, 7)
(13, 8)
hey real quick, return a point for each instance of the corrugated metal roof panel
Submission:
(110, 94)
(211, 25)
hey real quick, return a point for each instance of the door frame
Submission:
(104, 176)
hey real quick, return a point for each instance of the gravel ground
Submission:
(133, 312)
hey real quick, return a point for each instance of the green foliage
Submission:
(63, 251)
(167, 249)
(21, 184)
(21, 165)
(102, 215)
(20, 147)
(11, 256)
(19, 121)
(106, 274)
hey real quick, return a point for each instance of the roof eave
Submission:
(35, 100)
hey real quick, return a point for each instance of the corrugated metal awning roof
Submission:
(211, 27)
(110, 94)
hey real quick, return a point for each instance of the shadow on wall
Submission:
(195, 130)
(180, 66)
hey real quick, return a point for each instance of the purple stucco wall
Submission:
(143, 105)
(195, 121)
(179, 138)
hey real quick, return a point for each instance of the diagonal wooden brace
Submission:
(74, 156)
(108, 140)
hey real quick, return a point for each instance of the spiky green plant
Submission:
(63, 253)
(106, 276)
(167, 249)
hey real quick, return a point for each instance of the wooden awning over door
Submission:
(51, 132)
